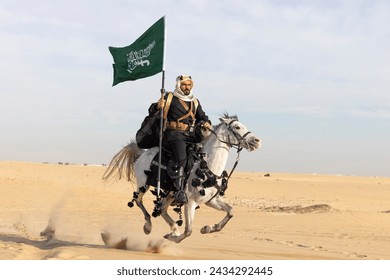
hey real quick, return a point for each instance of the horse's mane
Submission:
(227, 116)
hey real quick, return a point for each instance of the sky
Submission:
(310, 78)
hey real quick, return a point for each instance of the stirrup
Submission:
(181, 197)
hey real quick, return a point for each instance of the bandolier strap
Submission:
(179, 125)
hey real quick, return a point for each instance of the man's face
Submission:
(186, 87)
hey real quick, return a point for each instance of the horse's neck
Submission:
(216, 152)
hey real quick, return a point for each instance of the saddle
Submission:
(169, 167)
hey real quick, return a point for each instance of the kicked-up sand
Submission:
(52, 211)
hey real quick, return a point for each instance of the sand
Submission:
(276, 217)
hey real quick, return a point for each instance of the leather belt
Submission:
(178, 126)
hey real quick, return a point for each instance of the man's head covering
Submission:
(178, 93)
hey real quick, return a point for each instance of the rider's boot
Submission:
(180, 196)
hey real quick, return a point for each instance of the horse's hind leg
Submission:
(219, 204)
(137, 198)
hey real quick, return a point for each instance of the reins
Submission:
(235, 163)
(233, 145)
(238, 146)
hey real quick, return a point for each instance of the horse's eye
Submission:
(237, 127)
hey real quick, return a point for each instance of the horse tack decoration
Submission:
(203, 186)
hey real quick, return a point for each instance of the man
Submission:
(182, 114)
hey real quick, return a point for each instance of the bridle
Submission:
(209, 178)
(240, 138)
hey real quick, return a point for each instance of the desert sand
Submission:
(276, 217)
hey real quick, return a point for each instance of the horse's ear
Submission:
(224, 118)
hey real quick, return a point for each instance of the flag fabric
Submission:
(141, 59)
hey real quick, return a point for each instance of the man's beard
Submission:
(186, 92)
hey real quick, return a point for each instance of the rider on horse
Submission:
(182, 112)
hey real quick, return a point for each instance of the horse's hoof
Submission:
(147, 228)
(130, 204)
(168, 236)
(172, 238)
(205, 229)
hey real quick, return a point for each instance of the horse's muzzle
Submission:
(253, 143)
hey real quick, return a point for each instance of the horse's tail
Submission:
(122, 164)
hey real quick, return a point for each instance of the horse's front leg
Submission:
(137, 198)
(189, 214)
(164, 214)
(219, 204)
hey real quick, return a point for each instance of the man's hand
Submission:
(161, 103)
(207, 126)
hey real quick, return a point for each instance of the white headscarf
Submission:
(178, 93)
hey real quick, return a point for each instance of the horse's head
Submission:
(237, 134)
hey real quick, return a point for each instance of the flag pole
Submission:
(160, 136)
(161, 113)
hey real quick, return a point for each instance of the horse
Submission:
(132, 162)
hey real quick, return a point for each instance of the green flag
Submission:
(143, 58)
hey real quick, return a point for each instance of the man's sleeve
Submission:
(201, 115)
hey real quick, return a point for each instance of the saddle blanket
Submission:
(166, 183)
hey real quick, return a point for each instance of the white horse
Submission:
(224, 136)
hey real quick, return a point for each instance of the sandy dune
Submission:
(276, 217)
